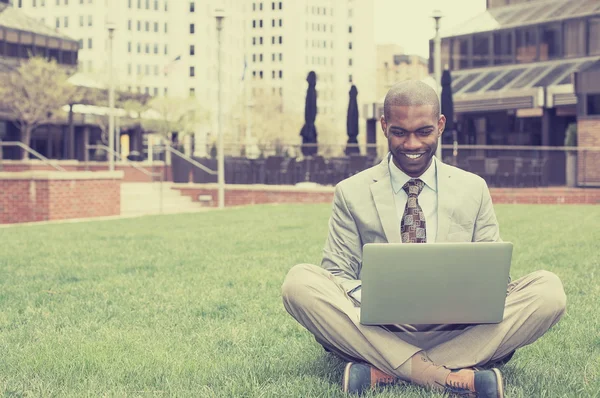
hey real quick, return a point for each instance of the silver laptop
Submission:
(439, 283)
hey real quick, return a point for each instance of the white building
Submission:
(279, 40)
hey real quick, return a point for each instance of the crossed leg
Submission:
(315, 298)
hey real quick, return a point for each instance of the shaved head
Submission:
(411, 93)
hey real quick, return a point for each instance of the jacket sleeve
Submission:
(486, 225)
(342, 255)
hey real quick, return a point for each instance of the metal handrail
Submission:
(135, 166)
(31, 151)
(190, 160)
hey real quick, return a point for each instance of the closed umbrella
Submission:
(352, 123)
(309, 131)
(448, 110)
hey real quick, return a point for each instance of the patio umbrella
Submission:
(309, 131)
(448, 107)
(352, 123)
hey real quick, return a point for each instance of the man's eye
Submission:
(425, 133)
(398, 133)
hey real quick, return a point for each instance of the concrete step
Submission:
(145, 198)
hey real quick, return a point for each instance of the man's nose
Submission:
(412, 143)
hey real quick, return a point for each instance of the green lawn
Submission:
(190, 305)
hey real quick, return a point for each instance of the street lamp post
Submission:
(111, 97)
(219, 15)
(437, 68)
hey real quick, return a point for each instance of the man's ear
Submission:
(383, 125)
(441, 124)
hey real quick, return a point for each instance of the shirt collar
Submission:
(399, 178)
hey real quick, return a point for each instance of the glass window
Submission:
(459, 84)
(506, 79)
(526, 45)
(594, 36)
(192, 28)
(192, 49)
(481, 50)
(503, 49)
(460, 54)
(593, 104)
(486, 79)
(526, 78)
(554, 74)
(574, 38)
(192, 71)
(550, 42)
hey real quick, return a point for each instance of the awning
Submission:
(524, 14)
(517, 86)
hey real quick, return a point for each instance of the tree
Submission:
(171, 115)
(33, 92)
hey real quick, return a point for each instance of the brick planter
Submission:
(28, 196)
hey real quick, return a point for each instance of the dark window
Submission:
(550, 42)
(192, 28)
(460, 53)
(280, 5)
(281, 74)
(527, 78)
(526, 45)
(593, 104)
(192, 7)
(192, 92)
(481, 50)
(554, 74)
(192, 71)
(484, 81)
(192, 49)
(280, 39)
(506, 79)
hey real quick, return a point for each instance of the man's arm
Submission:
(342, 255)
(486, 225)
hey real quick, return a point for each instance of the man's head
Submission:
(412, 124)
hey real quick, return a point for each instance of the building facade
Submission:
(513, 71)
(167, 47)
(394, 65)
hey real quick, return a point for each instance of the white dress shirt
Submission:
(427, 198)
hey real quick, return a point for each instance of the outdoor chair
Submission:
(506, 173)
(273, 169)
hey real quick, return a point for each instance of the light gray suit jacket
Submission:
(364, 211)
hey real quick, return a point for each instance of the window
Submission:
(272, 23)
(260, 57)
(350, 29)
(166, 91)
(260, 6)
(156, 27)
(349, 45)
(281, 74)
(261, 40)
(254, 41)
(192, 71)
(260, 23)
(128, 3)
(156, 72)
(147, 48)
(66, 22)
(503, 50)
(253, 6)
(260, 74)
(147, 4)
(90, 43)
(526, 45)
(349, 78)
(280, 22)
(280, 5)
(574, 38)
(129, 24)
(594, 36)
(253, 57)
(272, 5)
(192, 6)
(272, 74)
(272, 39)
(129, 69)
(593, 104)
(280, 57)
(81, 23)
(155, 91)
(349, 61)
(166, 49)
(192, 28)
(166, 6)
(166, 26)
(460, 51)
(253, 23)
(155, 48)
(280, 40)
(147, 26)
(192, 49)
(90, 21)
(129, 47)
(550, 42)
(139, 26)
(156, 9)
(139, 48)
(139, 69)
(481, 50)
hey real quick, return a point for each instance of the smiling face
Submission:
(412, 133)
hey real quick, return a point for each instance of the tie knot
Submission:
(413, 187)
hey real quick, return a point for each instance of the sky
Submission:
(408, 23)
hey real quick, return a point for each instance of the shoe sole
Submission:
(346, 377)
(500, 382)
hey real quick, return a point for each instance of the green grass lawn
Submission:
(190, 305)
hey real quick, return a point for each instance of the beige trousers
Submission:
(315, 298)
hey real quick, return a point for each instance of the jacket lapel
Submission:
(383, 196)
(444, 200)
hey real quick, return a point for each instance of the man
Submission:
(413, 197)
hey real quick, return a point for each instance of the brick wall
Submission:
(53, 195)
(588, 162)
(131, 174)
(238, 195)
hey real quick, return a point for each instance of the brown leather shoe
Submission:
(360, 377)
(476, 383)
